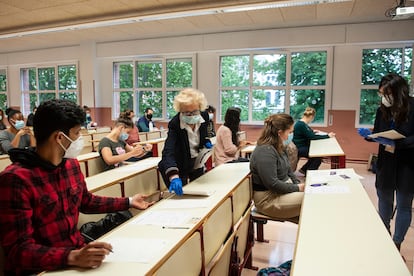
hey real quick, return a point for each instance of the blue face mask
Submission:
(191, 120)
(289, 139)
(19, 124)
(123, 136)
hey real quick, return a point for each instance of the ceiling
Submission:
(26, 15)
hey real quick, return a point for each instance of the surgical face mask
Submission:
(19, 124)
(387, 102)
(149, 116)
(1, 117)
(123, 136)
(289, 139)
(75, 147)
(191, 120)
(211, 116)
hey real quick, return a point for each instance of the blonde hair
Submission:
(270, 132)
(309, 112)
(190, 96)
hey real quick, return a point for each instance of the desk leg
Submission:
(86, 169)
(155, 150)
(338, 162)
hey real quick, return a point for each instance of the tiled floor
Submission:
(282, 236)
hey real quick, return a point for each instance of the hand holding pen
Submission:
(89, 256)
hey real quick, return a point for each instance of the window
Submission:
(150, 83)
(3, 89)
(39, 84)
(264, 84)
(376, 63)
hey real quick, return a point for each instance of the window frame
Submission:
(6, 92)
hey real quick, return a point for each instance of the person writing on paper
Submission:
(395, 163)
(42, 193)
(186, 141)
(17, 135)
(114, 150)
(228, 145)
(303, 134)
(277, 192)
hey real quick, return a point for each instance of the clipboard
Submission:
(390, 134)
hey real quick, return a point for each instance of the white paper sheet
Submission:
(163, 218)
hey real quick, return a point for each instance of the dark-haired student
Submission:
(114, 150)
(2, 125)
(145, 123)
(17, 135)
(42, 193)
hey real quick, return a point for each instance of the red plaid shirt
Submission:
(39, 210)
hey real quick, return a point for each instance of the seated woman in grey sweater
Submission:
(277, 191)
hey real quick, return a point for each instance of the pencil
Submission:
(92, 239)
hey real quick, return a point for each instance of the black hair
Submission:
(232, 121)
(147, 109)
(10, 112)
(211, 109)
(395, 87)
(56, 115)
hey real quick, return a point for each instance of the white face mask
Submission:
(211, 116)
(75, 147)
(387, 102)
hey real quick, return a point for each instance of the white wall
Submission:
(95, 59)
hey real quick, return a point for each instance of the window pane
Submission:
(151, 99)
(269, 70)
(266, 102)
(149, 74)
(236, 98)
(47, 78)
(369, 104)
(170, 104)
(3, 80)
(235, 71)
(126, 100)
(408, 63)
(300, 99)
(308, 68)
(3, 101)
(123, 75)
(72, 96)
(46, 96)
(67, 77)
(376, 63)
(28, 79)
(179, 73)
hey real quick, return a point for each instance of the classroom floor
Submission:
(282, 236)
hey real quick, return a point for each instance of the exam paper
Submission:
(134, 249)
(163, 218)
(328, 189)
(390, 134)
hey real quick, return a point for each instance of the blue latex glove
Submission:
(208, 145)
(364, 132)
(385, 141)
(176, 185)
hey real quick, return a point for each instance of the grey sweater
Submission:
(271, 171)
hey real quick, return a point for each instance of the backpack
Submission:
(281, 270)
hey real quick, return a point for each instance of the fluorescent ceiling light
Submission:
(172, 15)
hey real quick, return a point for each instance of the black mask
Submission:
(149, 116)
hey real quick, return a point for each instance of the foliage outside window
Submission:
(155, 84)
(377, 63)
(3, 89)
(258, 84)
(39, 84)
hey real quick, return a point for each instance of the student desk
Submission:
(328, 148)
(90, 163)
(247, 151)
(157, 145)
(4, 161)
(187, 248)
(341, 233)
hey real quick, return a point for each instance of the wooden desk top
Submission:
(341, 233)
(110, 177)
(87, 156)
(153, 141)
(248, 149)
(156, 243)
(325, 147)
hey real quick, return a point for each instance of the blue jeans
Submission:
(403, 213)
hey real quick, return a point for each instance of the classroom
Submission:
(265, 57)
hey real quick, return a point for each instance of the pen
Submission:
(175, 227)
(319, 184)
(92, 239)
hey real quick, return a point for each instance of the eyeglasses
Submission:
(191, 113)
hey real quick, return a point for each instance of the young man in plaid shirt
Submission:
(42, 193)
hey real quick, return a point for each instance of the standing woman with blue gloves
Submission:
(395, 165)
(187, 137)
